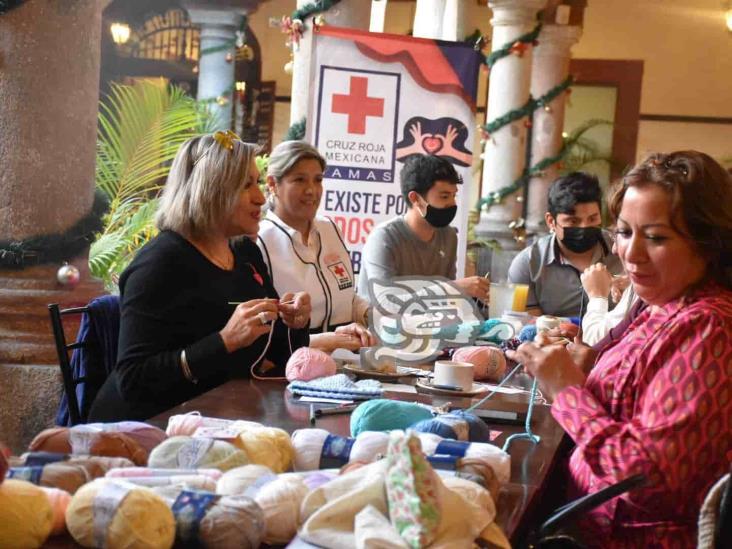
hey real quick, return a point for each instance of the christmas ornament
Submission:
(319, 21)
(229, 57)
(245, 53)
(222, 100)
(68, 275)
(195, 69)
(289, 66)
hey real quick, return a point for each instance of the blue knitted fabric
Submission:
(385, 415)
(339, 386)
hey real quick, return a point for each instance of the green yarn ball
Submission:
(386, 415)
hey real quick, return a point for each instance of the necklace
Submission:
(227, 263)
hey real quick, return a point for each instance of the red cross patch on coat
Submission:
(341, 274)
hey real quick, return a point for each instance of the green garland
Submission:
(312, 9)
(296, 131)
(54, 248)
(7, 5)
(526, 110)
(226, 93)
(528, 38)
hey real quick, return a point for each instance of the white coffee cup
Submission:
(457, 374)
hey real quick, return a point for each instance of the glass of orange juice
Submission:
(520, 295)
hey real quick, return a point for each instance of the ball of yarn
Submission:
(146, 435)
(351, 466)
(123, 472)
(88, 442)
(268, 446)
(59, 501)
(499, 460)
(386, 415)
(308, 444)
(240, 479)
(26, 516)
(458, 425)
(62, 475)
(179, 482)
(189, 452)
(488, 362)
(187, 424)
(142, 519)
(369, 445)
(307, 363)
(280, 500)
(229, 522)
(527, 333)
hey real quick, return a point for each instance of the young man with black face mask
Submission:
(553, 264)
(421, 242)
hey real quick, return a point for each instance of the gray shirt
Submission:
(554, 284)
(392, 249)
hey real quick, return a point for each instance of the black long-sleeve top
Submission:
(173, 298)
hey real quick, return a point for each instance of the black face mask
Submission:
(581, 239)
(440, 217)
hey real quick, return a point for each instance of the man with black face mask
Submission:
(421, 242)
(553, 264)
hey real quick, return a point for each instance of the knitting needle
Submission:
(312, 415)
(347, 409)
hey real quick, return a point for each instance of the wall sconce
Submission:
(120, 32)
(728, 17)
(241, 86)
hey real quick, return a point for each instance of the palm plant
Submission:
(140, 129)
(581, 150)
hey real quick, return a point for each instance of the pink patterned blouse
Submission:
(659, 402)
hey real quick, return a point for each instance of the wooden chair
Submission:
(99, 345)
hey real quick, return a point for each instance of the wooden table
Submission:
(269, 403)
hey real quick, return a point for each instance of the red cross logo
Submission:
(358, 105)
(338, 270)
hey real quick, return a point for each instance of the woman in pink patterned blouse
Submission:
(659, 401)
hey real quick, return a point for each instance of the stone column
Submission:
(49, 86)
(550, 68)
(354, 14)
(509, 87)
(216, 69)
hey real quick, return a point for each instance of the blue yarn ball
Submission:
(436, 427)
(443, 425)
(386, 415)
(527, 333)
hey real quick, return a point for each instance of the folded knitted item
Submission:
(339, 386)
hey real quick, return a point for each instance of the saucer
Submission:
(425, 386)
(360, 373)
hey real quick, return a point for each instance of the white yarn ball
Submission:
(368, 445)
(308, 444)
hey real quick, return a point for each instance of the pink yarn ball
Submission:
(488, 362)
(59, 500)
(306, 364)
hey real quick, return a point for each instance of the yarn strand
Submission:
(528, 434)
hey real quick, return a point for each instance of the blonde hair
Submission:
(288, 153)
(203, 185)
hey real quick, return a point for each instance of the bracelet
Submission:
(186, 368)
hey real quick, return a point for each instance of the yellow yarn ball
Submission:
(219, 455)
(280, 500)
(26, 516)
(142, 520)
(268, 446)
